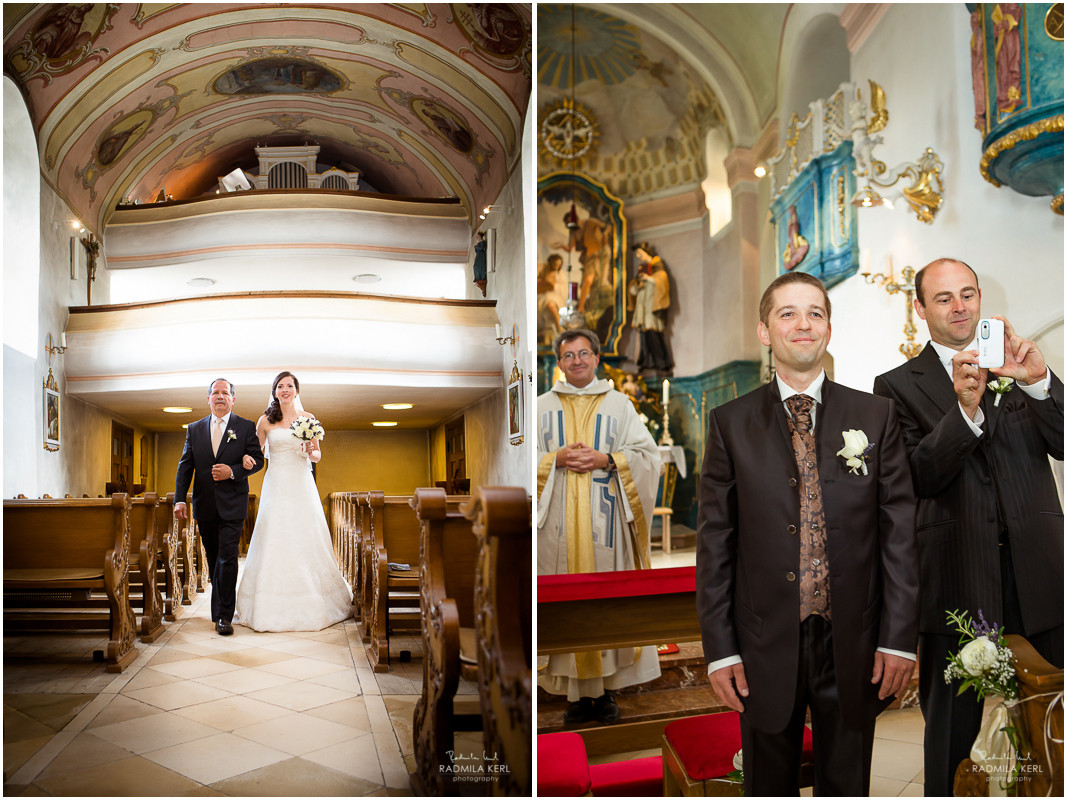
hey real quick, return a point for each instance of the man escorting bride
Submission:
(291, 581)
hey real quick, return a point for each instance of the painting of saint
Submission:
(581, 224)
(60, 33)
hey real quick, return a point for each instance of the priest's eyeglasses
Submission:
(581, 355)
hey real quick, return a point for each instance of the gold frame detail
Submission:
(1007, 142)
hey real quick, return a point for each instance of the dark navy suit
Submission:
(219, 507)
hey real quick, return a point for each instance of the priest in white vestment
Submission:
(596, 489)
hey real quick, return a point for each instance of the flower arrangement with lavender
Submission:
(307, 429)
(984, 661)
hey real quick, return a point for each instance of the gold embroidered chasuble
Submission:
(596, 521)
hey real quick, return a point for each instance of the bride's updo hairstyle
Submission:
(274, 410)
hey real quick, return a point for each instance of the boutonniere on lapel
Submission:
(857, 451)
(1000, 386)
(230, 435)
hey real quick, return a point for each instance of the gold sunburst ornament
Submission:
(568, 132)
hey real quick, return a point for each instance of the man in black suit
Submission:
(989, 520)
(807, 575)
(215, 447)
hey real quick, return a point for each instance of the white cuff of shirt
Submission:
(729, 661)
(973, 424)
(901, 653)
(1039, 390)
(714, 666)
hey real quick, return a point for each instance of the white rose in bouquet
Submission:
(978, 655)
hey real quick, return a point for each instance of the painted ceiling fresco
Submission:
(129, 100)
(650, 110)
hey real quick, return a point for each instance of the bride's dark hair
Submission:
(274, 410)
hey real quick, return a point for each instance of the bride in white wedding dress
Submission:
(291, 581)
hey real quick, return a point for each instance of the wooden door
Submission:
(121, 454)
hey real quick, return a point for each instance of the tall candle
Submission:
(666, 392)
(498, 330)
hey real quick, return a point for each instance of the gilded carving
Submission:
(1007, 142)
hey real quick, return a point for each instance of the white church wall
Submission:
(23, 410)
(491, 460)
(1014, 242)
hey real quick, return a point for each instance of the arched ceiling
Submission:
(131, 99)
(655, 78)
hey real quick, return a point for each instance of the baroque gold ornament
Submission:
(568, 131)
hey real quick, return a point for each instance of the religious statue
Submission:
(480, 270)
(1007, 50)
(978, 83)
(650, 289)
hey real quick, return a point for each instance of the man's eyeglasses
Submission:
(581, 355)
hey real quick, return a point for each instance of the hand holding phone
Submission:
(990, 343)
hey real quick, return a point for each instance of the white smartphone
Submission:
(990, 343)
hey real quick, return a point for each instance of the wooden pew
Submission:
(503, 640)
(167, 523)
(145, 548)
(395, 531)
(448, 551)
(358, 511)
(631, 608)
(57, 554)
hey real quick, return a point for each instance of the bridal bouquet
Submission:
(307, 429)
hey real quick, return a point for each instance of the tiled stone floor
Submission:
(253, 714)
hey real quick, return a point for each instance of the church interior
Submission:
(856, 142)
(229, 190)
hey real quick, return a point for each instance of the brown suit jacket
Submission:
(745, 602)
(958, 478)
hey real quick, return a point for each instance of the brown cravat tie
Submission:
(814, 571)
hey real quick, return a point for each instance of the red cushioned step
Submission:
(640, 777)
(562, 765)
(707, 744)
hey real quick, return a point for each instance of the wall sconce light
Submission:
(53, 349)
(924, 192)
(490, 209)
(503, 340)
(759, 171)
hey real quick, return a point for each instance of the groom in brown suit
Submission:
(807, 578)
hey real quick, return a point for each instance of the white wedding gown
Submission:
(291, 581)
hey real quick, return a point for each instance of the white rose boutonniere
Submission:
(857, 451)
(1000, 386)
(230, 435)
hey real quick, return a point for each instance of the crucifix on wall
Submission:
(910, 348)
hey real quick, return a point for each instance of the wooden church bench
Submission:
(501, 519)
(170, 536)
(631, 608)
(395, 531)
(57, 555)
(145, 548)
(448, 552)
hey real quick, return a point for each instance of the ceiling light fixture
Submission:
(367, 277)
(396, 406)
(200, 283)
(176, 409)
(383, 424)
(759, 171)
